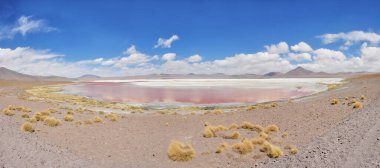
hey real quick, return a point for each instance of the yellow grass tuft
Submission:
(218, 111)
(358, 105)
(272, 150)
(264, 135)
(246, 125)
(192, 113)
(69, 118)
(32, 120)
(206, 123)
(89, 122)
(292, 149)
(244, 147)
(353, 100)
(179, 151)
(97, 119)
(27, 127)
(285, 135)
(334, 101)
(52, 122)
(362, 97)
(209, 132)
(258, 141)
(101, 112)
(221, 148)
(8, 112)
(233, 126)
(222, 128)
(25, 115)
(234, 135)
(271, 128)
(249, 108)
(70, 112)
(274, 104)
(78, 122)
(346, 98)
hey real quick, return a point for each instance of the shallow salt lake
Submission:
(200, 91)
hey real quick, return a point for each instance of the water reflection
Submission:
(127, 92)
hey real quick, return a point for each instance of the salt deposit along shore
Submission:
(337, 128)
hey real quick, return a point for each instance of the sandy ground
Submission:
(326, 135)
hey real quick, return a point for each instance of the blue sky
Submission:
(214, 30)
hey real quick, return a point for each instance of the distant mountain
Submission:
(301, 72)
(89, 76)
(7, 74)
(273, 74)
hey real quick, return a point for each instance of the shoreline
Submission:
(136, 140)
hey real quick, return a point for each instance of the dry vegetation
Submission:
(179, 151)
(27, 127)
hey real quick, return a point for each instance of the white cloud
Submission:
(350, 38)
(194, 58)
(299, 56)
(301, 47)
(169, 56)
(23, 26)
(134, 62)
(280, 48)
(166, 43)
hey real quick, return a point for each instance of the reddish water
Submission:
(126, 92)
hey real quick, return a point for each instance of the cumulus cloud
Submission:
(194, 58)
(24, 26)
(169, 56)
(299, 56)
(166, 43)
(301, 47)
(280, 48)
(276, 58)
(350, 38)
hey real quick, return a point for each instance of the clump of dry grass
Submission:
(234, 135)
(69, 118)
(264, 135)
(233, 125)
(251, 107)
(243, 147)
(346, 98)
(218, 111)
(221, 148)
(89, 122)
(246, 125)
(78, 122)
(97, 119)
(258, 141)
(210, 131)
(8, 112)
(206, 123)
(358, 105)
(292, 149)
(274, 104)
(192, 113)
(271, 128)
(179, 151)
(25, 115)
(52, 122)
(272, 150)
(334, 101)
(353, 100)
(27, 127)
(101, 112)
(285, 135)
(362, 97)
(70, 112)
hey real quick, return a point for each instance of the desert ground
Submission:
(322, 130)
